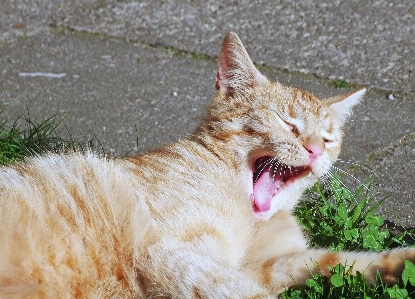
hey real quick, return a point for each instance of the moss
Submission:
(407, 138)
(66, 30)
(176, 51)
(171, 50)
(375, 155)
(201, 56)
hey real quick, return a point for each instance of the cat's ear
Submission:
(342, 104)
(236, 69)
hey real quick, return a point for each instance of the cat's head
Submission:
(282, 138)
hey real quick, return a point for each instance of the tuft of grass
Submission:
(25, 137)
(339, 83)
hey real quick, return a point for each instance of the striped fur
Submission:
(205, 217)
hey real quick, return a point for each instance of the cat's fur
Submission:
(185, 220)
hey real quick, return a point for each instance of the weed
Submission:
(339, 220)
(343, 283)
(335, 218)
(26, 137)
(339, 83)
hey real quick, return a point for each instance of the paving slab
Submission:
(369, 42)
(20, 18)
(393, 167)
(117, 91)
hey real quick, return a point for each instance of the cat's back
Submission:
(77, 225)
(69, 228)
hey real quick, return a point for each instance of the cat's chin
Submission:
(271, 180)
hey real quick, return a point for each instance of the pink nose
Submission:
(314, 151)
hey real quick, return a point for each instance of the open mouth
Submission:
(269, 177)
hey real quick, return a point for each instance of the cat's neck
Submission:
(200, 146)
(224, 148)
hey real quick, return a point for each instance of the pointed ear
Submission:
(342, 104)
(236, 69)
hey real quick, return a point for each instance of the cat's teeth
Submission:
(309, 174)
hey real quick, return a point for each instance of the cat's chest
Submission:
(218, 221)
(279, 235)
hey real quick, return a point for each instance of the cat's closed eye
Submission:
(327, 138)
(294, 128)
(289, 126)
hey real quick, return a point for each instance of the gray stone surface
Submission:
(115, 91)
(135, 79)
(23, 18)
(393, 167)
(371, 42)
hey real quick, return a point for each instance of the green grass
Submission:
(337, 219)
(23, 137)
(342, 284)
(339, 83)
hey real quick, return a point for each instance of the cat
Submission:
(204, 217)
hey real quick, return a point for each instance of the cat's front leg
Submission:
(180, 272)
(279, 273)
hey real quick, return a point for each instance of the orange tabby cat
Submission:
(205, 217)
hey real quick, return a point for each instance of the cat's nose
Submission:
(314, 150)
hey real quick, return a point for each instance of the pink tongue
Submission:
(264, 189)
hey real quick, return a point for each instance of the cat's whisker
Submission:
(291, 171)
(325, 179)
(355, 164)
(276, 167)
(261, 167)
(274, 171)
(352, 177)
(332, 176)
